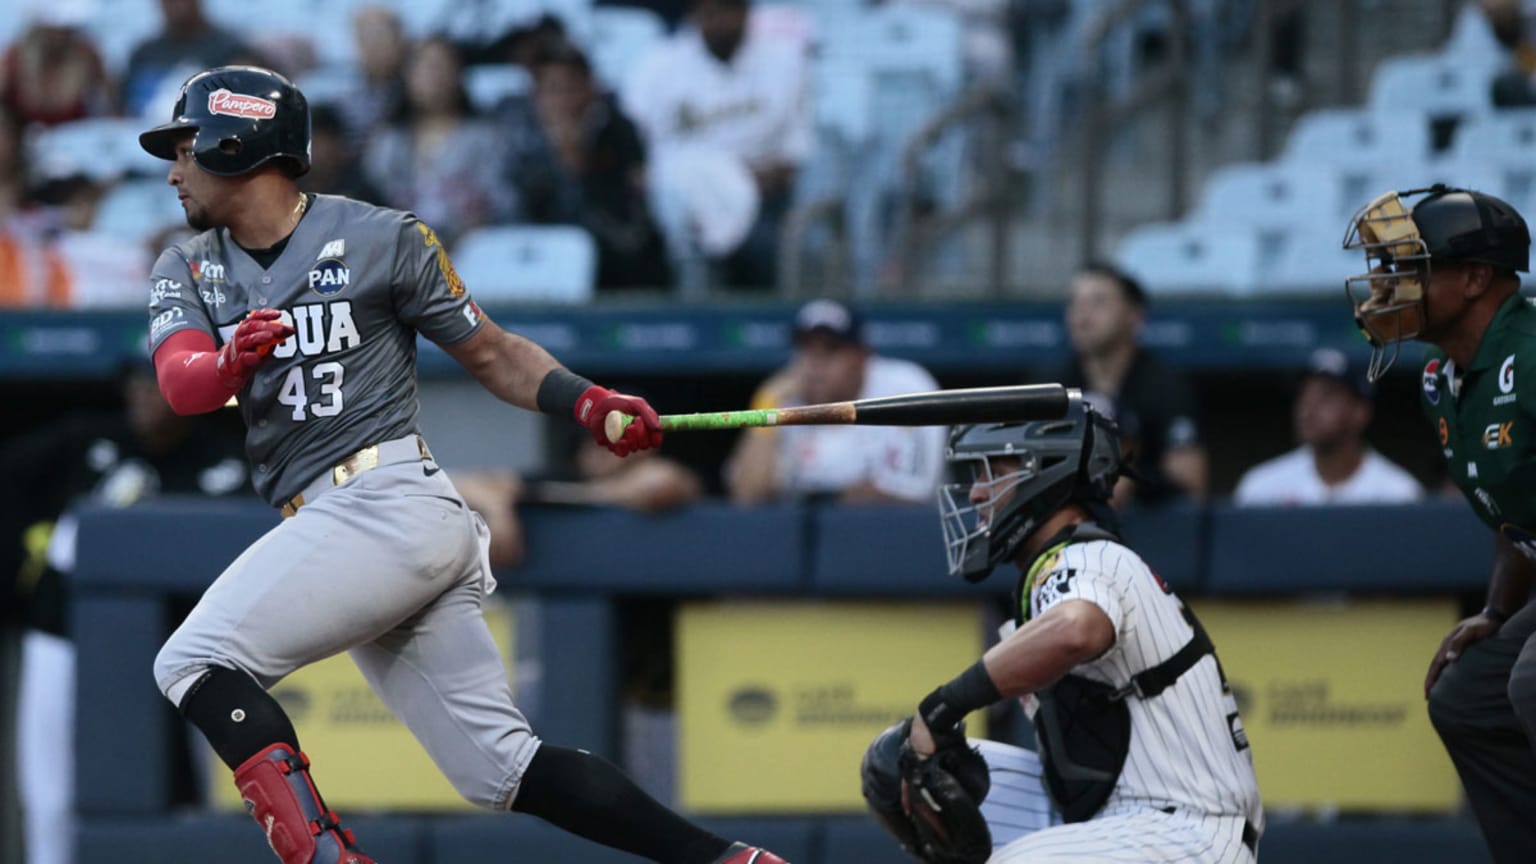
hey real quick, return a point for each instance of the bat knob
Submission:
(615, 424)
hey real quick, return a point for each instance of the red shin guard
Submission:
(278, 792)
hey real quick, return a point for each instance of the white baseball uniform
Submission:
(1292, 479)
(1188, 790)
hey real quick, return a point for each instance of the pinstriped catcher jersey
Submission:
(1188, 748)
(357, 282)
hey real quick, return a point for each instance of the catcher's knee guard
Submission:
(279, 793)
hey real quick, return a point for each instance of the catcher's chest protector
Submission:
(1083, 726)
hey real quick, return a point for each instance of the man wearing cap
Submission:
(832, 363)
(1334, 464)
(1442, 266)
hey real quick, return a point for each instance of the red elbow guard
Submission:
(187, 366)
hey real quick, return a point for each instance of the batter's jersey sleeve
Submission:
(174, 304)
(428, 293)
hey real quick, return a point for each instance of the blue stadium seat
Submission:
(620, 36)
(1438, 86)
(528, 263)
(1192, 258)
(330, 84)
(1352, 138)
(119, 26)
(1268, 195)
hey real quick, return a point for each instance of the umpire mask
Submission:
(1400, 243)
(1008, 478)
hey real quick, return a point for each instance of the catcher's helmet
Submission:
(240, 117)
(1072, 460)
(1447, 224)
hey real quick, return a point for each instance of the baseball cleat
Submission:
(741, 853)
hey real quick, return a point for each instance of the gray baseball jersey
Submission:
(389, 566)
(357, 282)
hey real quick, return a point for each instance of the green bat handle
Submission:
(616, 422)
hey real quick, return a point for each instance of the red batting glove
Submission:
(643, 433)
(252, 341)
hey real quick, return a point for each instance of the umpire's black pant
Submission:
(1484, 707)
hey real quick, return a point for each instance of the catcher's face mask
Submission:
(1388, 298)
(971, 507)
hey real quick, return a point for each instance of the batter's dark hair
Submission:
(1130, 287)
(561, 52)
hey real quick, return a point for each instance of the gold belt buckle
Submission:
(293, 505)
(365, 459)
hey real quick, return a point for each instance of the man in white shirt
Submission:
(722, 108)
(1334, 464)
(832, 363)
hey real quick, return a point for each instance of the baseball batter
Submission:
(1444, 268)
(307, 309)
(1143, 751)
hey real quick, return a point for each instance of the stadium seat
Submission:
(534, 263)
(620, 36)
(136, 209)
(102, 148)
(1432, 84)
(1192, 258)
(1268, 195)
(903, 39)
(1500, 137)
(1352, 137)
(1310, 260)
(477, 21)
(1472, 42)
(490, 84)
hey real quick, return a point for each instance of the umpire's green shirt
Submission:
(1486, 429)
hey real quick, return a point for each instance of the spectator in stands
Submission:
(111, 460)
(1512, 87)
(578, 160)
(1153, 404)
(718, 105)
(434, 158)
(1334, 464)
(833, 363)
(31, 270)
(651, 483)
(335, 167)
(381, 50)
(52, 73)
(187, 43)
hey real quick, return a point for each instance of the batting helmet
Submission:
(240, 117)
(1400, 244)
(1072, 460)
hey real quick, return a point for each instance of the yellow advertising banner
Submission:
(778, 701)
(364, 758)
(1332, 697)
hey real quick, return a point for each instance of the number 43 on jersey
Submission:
(319, 328)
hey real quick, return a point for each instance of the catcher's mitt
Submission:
(932, 806)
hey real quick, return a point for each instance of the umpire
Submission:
(1444, 271)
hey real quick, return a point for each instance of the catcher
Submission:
(1141, 750)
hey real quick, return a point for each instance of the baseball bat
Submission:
(930, 408)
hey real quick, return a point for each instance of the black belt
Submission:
(1250, 833)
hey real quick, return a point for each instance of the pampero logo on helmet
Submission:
(238, 118)
(222, 101)
(1010, 477)
(1447, 224)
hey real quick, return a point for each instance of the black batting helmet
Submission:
(240, 117)
(1074, 460)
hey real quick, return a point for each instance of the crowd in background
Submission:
(681, 162)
